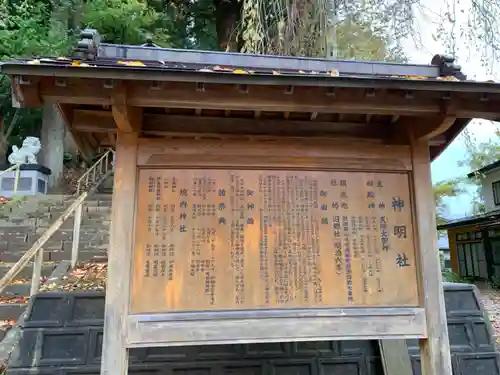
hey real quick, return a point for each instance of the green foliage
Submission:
(358, 40)
(441, 191)
(24, 31)
(123, 21)
(353, 30)
(452, 277)
(478, 155)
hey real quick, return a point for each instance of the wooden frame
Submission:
(434, 108)
(178, 329)
(204, 328)
(427, 322)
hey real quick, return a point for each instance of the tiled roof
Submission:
(492, 216)
(485, 169)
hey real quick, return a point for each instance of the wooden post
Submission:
(16, 178)
(76, 235)
(395, 357)
(435, 350)
(37, 272)
(114, 354)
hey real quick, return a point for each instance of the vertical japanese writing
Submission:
(347, 254)
(237, 199)
(384, 237)
(271, 239)
(337, 245)
(376, 246)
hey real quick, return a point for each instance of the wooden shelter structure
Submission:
(264, 198)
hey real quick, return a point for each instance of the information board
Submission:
(232, 240)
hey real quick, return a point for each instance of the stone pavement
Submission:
(490, 299)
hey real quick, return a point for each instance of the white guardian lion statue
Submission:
(27, 153)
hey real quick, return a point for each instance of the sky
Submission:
(421, 52)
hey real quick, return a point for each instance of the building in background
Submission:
(444, 250)
(474, 241)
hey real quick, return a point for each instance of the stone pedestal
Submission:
(33, 180)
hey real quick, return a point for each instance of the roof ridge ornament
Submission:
(447, 67)
(87, 47)
(149, 42)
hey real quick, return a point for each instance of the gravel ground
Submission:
(491, 301)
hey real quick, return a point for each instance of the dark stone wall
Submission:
(62, 335)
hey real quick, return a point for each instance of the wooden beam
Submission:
(101, 121)
(435, 350)
(430, 129)
(114, 353)
(272, 98)
(67, 114)
(395, 357)
(25, 93)
(128, 118)
(427, 130)
(112, 139)
(307, 154)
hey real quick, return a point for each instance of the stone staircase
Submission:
(22, 224)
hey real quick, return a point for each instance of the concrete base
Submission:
(33, 180)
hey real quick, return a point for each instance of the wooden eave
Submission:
(485, 220)
(195, 103)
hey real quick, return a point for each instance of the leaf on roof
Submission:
(334, 73)
(415, 77)
(131, 63)
(448, 78)
(221, 68)
(240, 71)
(80, 64)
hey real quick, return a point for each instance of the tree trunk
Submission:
(227, 17)
(52, 139)
(4, 144)
(3, 152)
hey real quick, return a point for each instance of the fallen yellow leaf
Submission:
(131, 63)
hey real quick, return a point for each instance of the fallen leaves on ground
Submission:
(13, 300)
(7, 323)
(491, 301)
(20, 281)
(85, 277)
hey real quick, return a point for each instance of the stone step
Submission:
(87, 242)
(45, 222)
(17, 290)
(85, 253)
(12, 310)
(92, 255)
(27, 271)
(95, 245)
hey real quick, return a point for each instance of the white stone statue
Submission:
(27, 153)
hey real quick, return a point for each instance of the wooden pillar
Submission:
(114, 353)
(435, 350)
